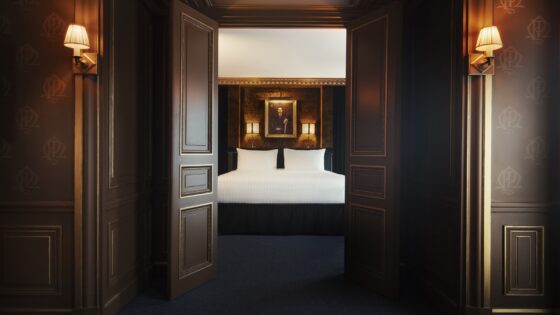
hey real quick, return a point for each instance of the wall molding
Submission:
(87, 100)
(511, 255)
(543, 206)
(523, 311)
(283, 81)
(477, 157)
(53, 235)
(36, 310)
(59, 205)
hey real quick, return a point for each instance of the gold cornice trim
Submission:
(283, 81)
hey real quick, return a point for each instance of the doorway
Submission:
(372, 153)
(373, 245)
(373, 116)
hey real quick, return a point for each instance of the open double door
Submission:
(372, 143)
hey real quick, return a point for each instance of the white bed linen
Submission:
(281, 187)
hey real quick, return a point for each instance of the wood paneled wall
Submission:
(525, 160)
(36, 157)
(246, 103)
(431, 149)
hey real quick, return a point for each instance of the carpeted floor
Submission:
(278, 275)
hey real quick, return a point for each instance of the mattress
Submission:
(281, 187)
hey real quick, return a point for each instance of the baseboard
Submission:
(469, 310)
(86, 311)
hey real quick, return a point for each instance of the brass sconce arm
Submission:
(86, 63)
(480, 64)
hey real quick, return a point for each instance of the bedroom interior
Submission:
(112, 157)
(305, 203)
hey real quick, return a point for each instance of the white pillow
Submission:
(304, 160)
(256, 159)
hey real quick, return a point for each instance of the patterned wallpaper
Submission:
(525, 97)
(36, 101)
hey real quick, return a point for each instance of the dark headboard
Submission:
(232, 159)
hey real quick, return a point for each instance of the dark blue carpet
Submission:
(278, 275)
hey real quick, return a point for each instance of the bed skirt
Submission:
(281, 219)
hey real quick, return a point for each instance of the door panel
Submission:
(372, 207)
(193, 167)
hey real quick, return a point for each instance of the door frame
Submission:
(88, 96)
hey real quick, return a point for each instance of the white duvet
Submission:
(281, 186)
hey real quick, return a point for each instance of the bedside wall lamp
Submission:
(308, 129)
(252, 130)
(483, 63)
(77, 39)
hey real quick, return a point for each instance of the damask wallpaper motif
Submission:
(36, 101)
(525, 96)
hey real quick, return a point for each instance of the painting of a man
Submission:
(280, 118)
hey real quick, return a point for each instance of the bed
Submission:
(281, 200)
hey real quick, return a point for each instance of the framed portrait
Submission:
(280, 119)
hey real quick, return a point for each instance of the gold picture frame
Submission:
(280, 118)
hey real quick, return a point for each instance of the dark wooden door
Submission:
(193, 167)
(372, 168)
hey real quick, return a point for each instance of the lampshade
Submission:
(489, 40)
(76, 37)
(308, 128)
(252, 128)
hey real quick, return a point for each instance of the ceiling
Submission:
(285, 13)
(282, 53)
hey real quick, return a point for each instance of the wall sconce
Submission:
(308, 129)
(252, 130)
(483, 63)
(77, 39)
